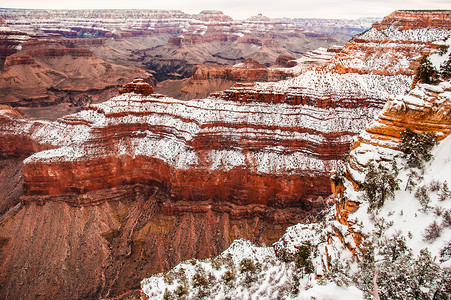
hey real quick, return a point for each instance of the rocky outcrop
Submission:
(425, 109)
(247, 71)
(133, 185)
(415, 19)
(10, 41)
(138, 231)
(209, 78)
(137, 86)
(251, 147)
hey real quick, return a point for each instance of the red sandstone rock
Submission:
(286, 61)
(137, 86)
(414, 19)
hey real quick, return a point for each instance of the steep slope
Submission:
(146, 175)
(398, 250)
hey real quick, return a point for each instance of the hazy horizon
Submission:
(238, 9)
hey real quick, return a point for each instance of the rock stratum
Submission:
(209, 78)
(132, 186)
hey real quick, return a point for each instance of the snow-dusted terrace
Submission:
(166, 129)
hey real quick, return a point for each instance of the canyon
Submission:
(41, 72)
(129, 187)
(357, 250)
(68, 51)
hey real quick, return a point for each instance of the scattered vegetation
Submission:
(399, 275)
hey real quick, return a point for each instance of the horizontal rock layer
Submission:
(202, 149)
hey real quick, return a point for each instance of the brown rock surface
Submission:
(96, 225)
(413, 19)
(106, 249)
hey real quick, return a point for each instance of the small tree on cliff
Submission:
(380, 184)
(426, 72)
(417, 147)
(445, 69)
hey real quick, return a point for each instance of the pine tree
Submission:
(380, 184)
(426, 72)
(416, 147)
(445, 69)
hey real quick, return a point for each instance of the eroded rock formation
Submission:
(209, 78)
(155, 180)
(131, 186)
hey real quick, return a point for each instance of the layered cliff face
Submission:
(385, 57)
(242, 143)
(144, 181)
(147, 181)
(10, 41)
(358, 250)
(40, 72)
(172, 43)
(209, 78)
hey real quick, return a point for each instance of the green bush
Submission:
(380, 184)
(432, 232)
(181, 291)
(303, 261)
(284, 255)
(445, 69)
(426, 72)
(249, 269)
(444, 192)
(416, 147)
(199, 280)
(247, 266)
(422, 196)
(229, 278)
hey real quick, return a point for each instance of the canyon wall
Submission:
(133, 185)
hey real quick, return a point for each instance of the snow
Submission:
(204, 119)
(271, 281)
(332, 292)
(405, 215)
(405, 211)
(419, 35)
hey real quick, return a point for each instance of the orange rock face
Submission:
(132, 186)
(138, 86)
(38, 72)
(247, 71)
(411, 19)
